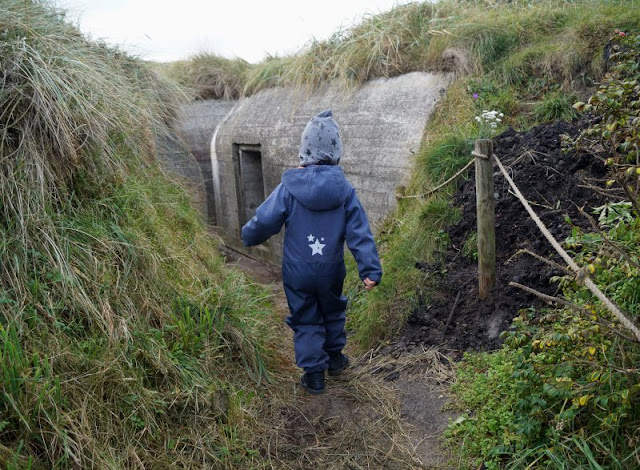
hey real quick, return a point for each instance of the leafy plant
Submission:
(616, 132)
(573, 386)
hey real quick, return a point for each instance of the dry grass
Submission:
(208, 76)
(355, 424)
(554, 40)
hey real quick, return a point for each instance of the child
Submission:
(320, 211)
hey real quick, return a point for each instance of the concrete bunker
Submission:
(196, 125)
(249, 180)
(381, 124)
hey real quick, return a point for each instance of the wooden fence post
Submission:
(483, 151)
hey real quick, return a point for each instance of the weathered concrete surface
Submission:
(381, 125)
(177, 161)
(197, 123)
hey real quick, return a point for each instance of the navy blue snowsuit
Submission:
(320, 211)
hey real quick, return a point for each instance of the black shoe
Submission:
(313, 382)
(337, 363)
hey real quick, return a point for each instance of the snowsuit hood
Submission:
(318, 188)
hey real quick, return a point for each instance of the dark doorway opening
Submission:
(249, 180)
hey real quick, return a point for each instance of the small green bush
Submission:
(555, 106)
(487, 396)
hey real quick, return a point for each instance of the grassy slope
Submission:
(120, 329)
(531, 78)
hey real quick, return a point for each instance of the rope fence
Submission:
(581, 276)
(440, 186)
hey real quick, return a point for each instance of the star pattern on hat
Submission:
(334, 142)
(308, 152)
(321, 126)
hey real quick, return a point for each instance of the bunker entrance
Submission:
(249, 180)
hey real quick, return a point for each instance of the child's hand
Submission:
(369, 284)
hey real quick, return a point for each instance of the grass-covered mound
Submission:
(553, 41)
(124, 342)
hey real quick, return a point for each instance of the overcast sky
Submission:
(170, 30)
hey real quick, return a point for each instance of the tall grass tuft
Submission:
(209, 76)
(556, 106)
(119, 327)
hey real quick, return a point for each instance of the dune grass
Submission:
(556, 41)
(208, 76)
(120, 328)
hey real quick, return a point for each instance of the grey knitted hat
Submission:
(320, 143)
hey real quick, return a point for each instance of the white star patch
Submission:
(316, 248)
(310, 238)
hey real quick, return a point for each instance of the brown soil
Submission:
(552, 181)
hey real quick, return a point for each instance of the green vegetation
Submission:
(564, 390)
(555, 106)
(120, 330)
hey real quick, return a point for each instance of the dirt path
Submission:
(385, 411)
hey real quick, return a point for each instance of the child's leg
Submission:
(305, 319)
(333, 306)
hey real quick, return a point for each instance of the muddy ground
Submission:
(553, 181)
